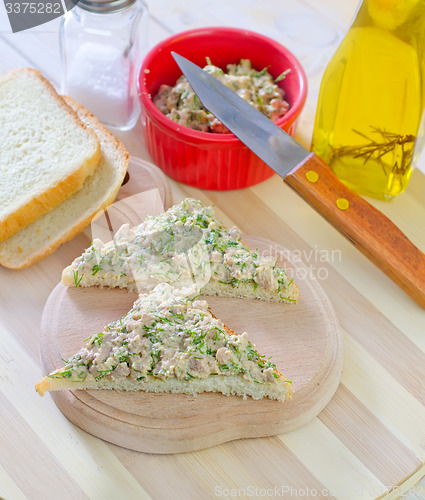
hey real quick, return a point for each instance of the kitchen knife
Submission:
(363, 225)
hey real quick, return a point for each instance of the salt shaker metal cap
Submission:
(102, 6)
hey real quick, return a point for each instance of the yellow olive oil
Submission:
(372, 97)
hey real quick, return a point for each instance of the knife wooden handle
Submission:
(379, 239)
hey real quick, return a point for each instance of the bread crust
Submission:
(46, 201)
(212, 288)
(52, 242)
(53, 195)
(227, 385)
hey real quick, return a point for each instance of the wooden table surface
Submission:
(370, 439)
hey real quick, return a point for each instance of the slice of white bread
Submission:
(46, 153)
(170, 342)
(62, 223)
(183, 245)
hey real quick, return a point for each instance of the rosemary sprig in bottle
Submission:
(375, 149)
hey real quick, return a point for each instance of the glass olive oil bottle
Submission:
(372, 97)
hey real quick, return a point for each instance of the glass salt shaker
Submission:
(102, 44)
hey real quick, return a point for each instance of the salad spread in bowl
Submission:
(181, 104)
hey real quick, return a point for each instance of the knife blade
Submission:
(368, 229)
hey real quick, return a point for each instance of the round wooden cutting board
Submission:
(303, 340)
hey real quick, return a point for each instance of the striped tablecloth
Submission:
(370, 439)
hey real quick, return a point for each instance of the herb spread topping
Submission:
(181, 104)
(169, 333)
(185, 245)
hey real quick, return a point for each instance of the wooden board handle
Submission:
(379, 239)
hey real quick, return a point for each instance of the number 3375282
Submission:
(33, 8)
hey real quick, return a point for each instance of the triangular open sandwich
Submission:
(170, 342)
(187, 244)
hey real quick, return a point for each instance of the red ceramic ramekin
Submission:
(204, 159)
